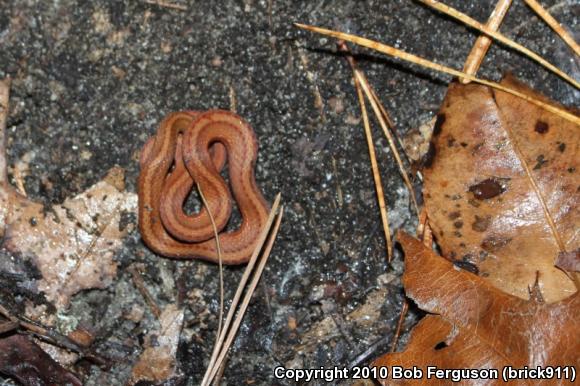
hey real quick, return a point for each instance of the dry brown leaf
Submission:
(22, 359)
(478, 326)
(481, 201)
(73, 243)
(157, 362)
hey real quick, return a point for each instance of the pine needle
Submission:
(483, 42)
(215, 361)
(221, 270)
(250, 291)
(553, 23)
(382, 123)
(140, 285)
(386, 49)
(4, 98)
(452, 12)
(402, 315)
(165, 4)
(384, 120)
(374, 167)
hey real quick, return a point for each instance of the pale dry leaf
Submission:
(61, 355)
(157, 362)
(72, 244)
(416, 141)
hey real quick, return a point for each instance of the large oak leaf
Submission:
(479, 326)
(502, 188)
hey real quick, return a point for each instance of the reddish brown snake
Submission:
(190, 147)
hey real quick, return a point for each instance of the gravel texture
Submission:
(91, 81)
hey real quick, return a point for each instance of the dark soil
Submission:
(91, 81)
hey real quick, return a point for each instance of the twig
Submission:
(53, 337)
(481, 45)
(261, 240)
(8, 326)
(138, 281)
(500, 37)
(7, 314)
(164, 4)
(343, 47)
(553, 23)
(384, 112)
(362, 357)
(392, 51)
(375, 168)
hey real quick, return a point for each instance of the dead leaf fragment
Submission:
(416, 141)
(72, 244)
(495, 158)
(157, 362)
(23, 360)
(478, 325)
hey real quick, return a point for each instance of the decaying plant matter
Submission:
(500, 189)
(477, 326)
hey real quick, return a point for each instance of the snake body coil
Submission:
(191, 147)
